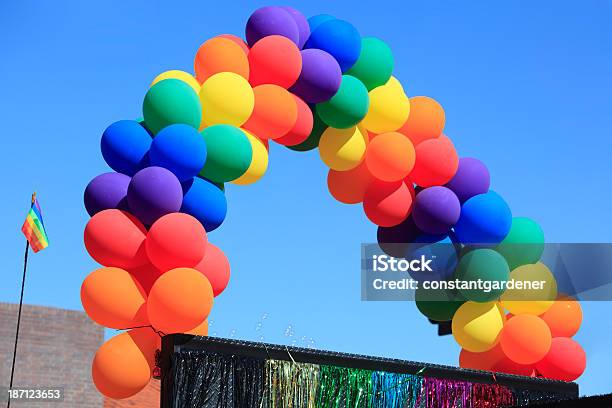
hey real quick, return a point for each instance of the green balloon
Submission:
(348, 106)
(228, 153)
(312, 142)
(375, 63)
(487, 265)
(524, 243)
(439, 305)
(221, 186)
(171, 101)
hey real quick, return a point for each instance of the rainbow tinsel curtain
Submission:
(211, 380)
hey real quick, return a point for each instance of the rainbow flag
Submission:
(34, 228)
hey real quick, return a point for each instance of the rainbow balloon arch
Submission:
(302, 84)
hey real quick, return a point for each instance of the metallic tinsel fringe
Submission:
(290, 385)
(391, 390)
(210, 380)
(341, 387)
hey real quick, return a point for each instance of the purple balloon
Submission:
(271, 21)
(106, 191)
(153, 193)
(395, 241)
(302, 25)
(436, 210)
(320, 77)
(472, 178)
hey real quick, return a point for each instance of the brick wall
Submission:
(56, 348)
(147, 398)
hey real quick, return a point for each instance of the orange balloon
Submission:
(179, 300)
(563, 317)
(525, 339)
(122, 366)
(349, 186)
(275, 112)
(387, 204)
(113, 298)
(201, 330)
(436, 162)
(426, 120)
(116, 238)
(390, 156)
(237, 40)
(146, 275)
(302, 127)
(220, 54)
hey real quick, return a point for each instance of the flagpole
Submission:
(25, 267)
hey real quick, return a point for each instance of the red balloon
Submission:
(565, 361)
(216, 268)
(349, 186)
(116, 238)
(436, 162)
(302, 128)
(176, 240)
(146, 275)
(388, 203)
(492, 360)
(505, 365)
(274, 60)
(480, 361)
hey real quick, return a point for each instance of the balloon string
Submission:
(158, 332)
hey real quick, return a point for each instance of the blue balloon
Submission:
(338, 38)
(125, 145)
(485, 219)
(315, 21)
(204, 201)
(442, 253)
(180, 149)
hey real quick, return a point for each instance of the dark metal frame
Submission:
(183, 342)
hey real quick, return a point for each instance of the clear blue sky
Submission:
(526, 87)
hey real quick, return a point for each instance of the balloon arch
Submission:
(303, 84)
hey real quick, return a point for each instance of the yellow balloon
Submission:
(388, 111)
(259, 163)
(539, 294)
(394, 83)
(343, 149)
(180, 75)
(227, 98)
(476, 326)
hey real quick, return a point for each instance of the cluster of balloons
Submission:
(303, 83)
